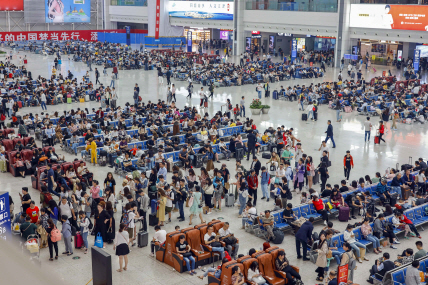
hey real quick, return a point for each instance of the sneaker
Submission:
(394, 247)
(359, 260)
(396, 242)
(152, 254)
(219, 210)
(365, 258)
(240, 216)
(263, 198)
(209, 213)
(325, 223)
(169, 220)
(412, 234)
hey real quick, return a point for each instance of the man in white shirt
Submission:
(160, 237)
(43, 101)
(323, 148)
(212, 239)
(229, 239)
(367, 129)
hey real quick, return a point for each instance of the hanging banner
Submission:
(189, 41)
(342, 274)
(201, 10)
(85, 35)
(5, 218)
(416, 59)
(157, 19)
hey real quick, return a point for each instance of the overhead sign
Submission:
(68, 11)
(157, 26)
(210, 10)
(395, 17)
(255, 32)
(224, 35)
(87, 35)
(5, 218)
(11, 5)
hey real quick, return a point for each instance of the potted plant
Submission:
(265, 109)
(256, 107)
(3, 54)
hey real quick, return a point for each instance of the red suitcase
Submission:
(343, 214)
(206, 104)
(78, 240)
(377, 139)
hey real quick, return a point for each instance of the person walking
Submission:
(302, 236)
(135, 96)
(97, 76)
(251, 145)
(52, 245)
(242, 107)
(173, 90)
(66, 233)
(348, 163)
(190, 89)
(195, 209)
(211, 88)
(121, 246)
(381, 132)
(259, 89)
(43, 101)
(113, 80)
(367, 129)
(322, 251)
(395, 116)
(329, 133)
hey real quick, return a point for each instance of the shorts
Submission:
(217, 194)
(131, 232)
(168, 209)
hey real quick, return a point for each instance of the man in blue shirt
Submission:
(162, 170)
(329, 133)
(382, 190)
(51, 179)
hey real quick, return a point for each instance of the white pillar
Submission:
(239, 27)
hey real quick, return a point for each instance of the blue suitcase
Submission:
(275, 95)
(153, 206)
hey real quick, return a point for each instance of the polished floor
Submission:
(407, 141)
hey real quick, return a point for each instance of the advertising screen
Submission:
(271, 43)
(392, 17)
(11, 5)
(224, 35)
(210, 10)
(68, 11)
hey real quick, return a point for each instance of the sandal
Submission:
(56, 257)
(125, 268)
(201, 277)
(190, 223)
(320, 279)
(119, 270)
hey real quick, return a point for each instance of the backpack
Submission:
(2, 117)
(91, 226)
(126, 220)
(47, 198)
(230, 106)
(73, 231)
(55, 235)
(352, 263)
(292, 173)
(135, 174)
(184, 194)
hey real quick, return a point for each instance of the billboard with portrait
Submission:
(391, 17)
(68, 11)
(210, 10)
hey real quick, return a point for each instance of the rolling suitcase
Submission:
(304, 117)
(239, 153)
(87, 98)
(405, 192)
(229, 200)
(142, 238)
(343, 214)
(316, 178)
(78, 240)
(275, 95)
(153, 206)
(205, 104)
(153, 220)
(377, 138)
(69, 100)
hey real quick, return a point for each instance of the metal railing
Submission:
(330, 7)
(128, 2)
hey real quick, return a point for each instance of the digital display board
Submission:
(209, 10)
(68, 11)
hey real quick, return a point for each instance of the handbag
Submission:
(28, 164)
(191, 201)
(329, 205)
(329, 254)
(99, 241)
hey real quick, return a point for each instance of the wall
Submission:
(218, 24)
(132, 14)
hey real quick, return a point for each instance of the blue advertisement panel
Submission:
(68, 11)
(416, 59)
(189, 41)
(5, 219)
(293, 50)
(128, 35)
(347, 56)
(210, 10)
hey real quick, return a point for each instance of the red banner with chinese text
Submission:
(87, 35)
(157, 19)
(342, 274)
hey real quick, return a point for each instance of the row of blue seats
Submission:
(399, 276)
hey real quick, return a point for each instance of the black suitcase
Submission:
(153, 220)
(143, 238)
(267, 93)
(304, 117)
(278, 236)
(239, 153)
(266, 155)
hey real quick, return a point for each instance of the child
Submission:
(304, 198)
(84, 229)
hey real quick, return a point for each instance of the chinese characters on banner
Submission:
(157, 19)
(416, 59)
(87, 35)
(342, 274)
(5, 218)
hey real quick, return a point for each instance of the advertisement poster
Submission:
(342, 274)
(399, 55)
(224, 35)
(5, 219)
(189, 41)
(293, 50)
(210, 10)
(271, 43)
(248, 44)
(395, 17)
(416, 59)
(11, 5)
(68, 11)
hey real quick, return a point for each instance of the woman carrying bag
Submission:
(121, 246)
(196, 205)
(254, 274)
(322, 256)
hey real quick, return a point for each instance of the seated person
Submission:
(282, 264)
(213, 240)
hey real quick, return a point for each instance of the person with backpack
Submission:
(54, 235)
(85, 226)
(348, 257)
(386, 229)
(67, 234)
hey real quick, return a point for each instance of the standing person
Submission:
(348, 163)
(168, 77)
(303, 235)
(52, 245)
(135, 96)
(259, 89)
(84, 228)
(97, 76)
(265, 177)
(381, 131)
(173, 90)
(367, 129)
(113, 80)
(195, 209)
(413, 276)
(322, 250)
(395, 117)
(100, 221)
(190, 89)
(160, 75)
(115, 71)
(121, 246)
(43, 101)
(211, 89)
(242, 106)
(113, 98)
(251, 144)
(253, 184)
(329, 133)
(66, 232)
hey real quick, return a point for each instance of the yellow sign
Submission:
(373, 57)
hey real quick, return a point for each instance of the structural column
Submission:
(239, 30)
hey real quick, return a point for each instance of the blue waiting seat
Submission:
(398, 277)
(279, 223)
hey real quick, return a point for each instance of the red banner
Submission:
(342, 274)
(157, 19)
(11, 5)
(87, 35)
